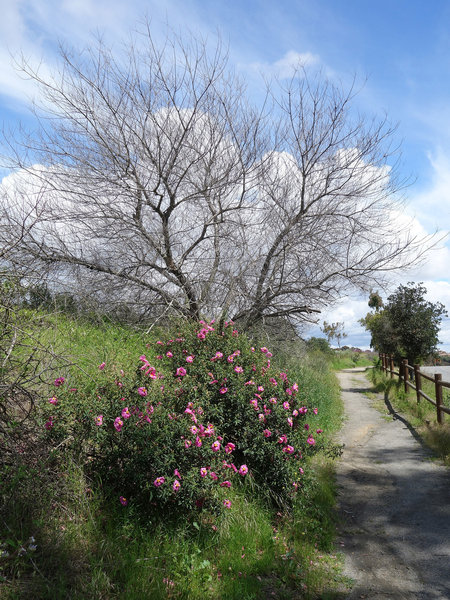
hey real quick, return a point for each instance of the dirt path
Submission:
(394, 503)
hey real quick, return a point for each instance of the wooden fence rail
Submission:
(408, 374)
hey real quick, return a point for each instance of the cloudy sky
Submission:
(398, 51)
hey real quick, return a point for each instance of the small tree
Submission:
(375, 301)
(408, 327)
(334, 331)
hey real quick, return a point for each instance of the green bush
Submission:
(204, 410)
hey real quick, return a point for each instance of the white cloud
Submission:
(432, 205)
(286, 66)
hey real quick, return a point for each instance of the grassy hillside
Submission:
(62, 537)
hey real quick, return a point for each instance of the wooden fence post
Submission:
(438, 386)
(405, 374)
(418, 381)
(392, 366)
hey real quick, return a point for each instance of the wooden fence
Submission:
(408, 374)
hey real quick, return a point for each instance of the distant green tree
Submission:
(334, 331)
(315, 344)
(383, 336)
(375, 301)
(408, 326)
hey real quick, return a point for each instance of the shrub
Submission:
(203, 410)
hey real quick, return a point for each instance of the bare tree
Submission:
(161, 184)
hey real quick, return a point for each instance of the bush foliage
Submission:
(200, 412)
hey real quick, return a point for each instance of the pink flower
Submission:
(177, 473)
(295, 413)
(225, 484)
(151, 372)
(190, 359)
(59, 381)
(187, 443)
(159, 481)
(260, 388)
(286, 405)
(290, 421)
(123, 501)
(230, 447)
(261, 418)
(288, 450)
(101, 367)
(203, 471)
(230, 359)
(295, 485)
(53, 400)
(49, 423)
(267, 433)
(180, 372)
(169, 354)
(282, 439)
(238, 369)
(193, 430)
(243, 470)
(209, 430)
(214, 476)
(315, 411)
(142, 391)
(306, 427)
(319, 430)
(223, 390)
(273, 400)
(198, 442)
(273, 381)
(126, 413)
(118, 424)
(249, 382)
(176, 485)
(227, 503)
(303, 410)
(264, 350)
(215, 446)
(311, 441)
(301, 471)
(99, 420)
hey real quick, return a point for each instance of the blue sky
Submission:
(398, 50)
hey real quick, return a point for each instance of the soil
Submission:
(394, 503)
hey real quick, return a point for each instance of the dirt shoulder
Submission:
(394, 503)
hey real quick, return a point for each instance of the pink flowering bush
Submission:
(202, 412)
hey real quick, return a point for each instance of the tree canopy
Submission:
(151, 179)
(408, 326)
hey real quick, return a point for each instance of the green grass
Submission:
(422, 415)
(87, 549)
(347, 360)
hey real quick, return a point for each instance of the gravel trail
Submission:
(394, 503)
